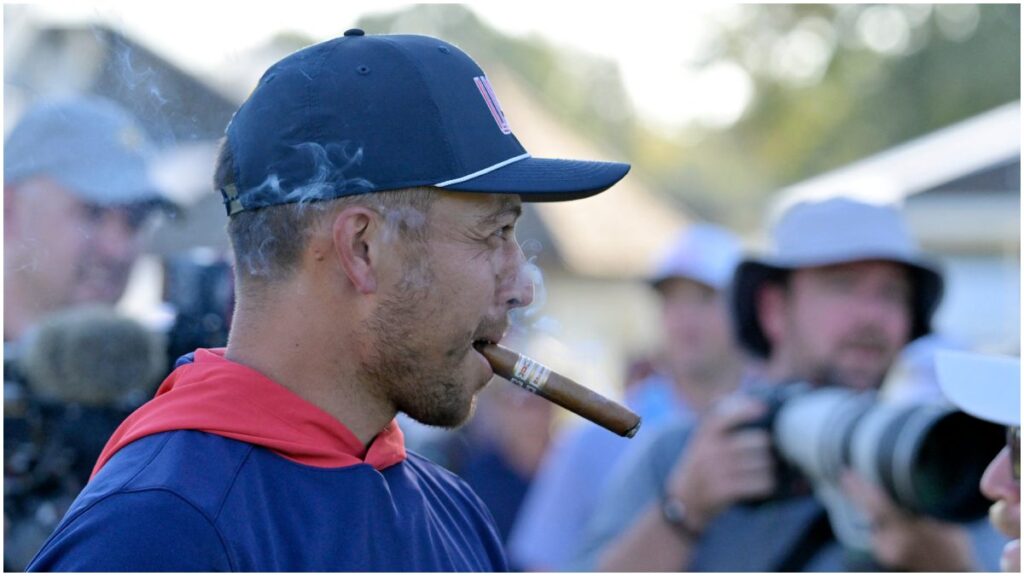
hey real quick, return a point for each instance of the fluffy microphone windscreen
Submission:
(92, 355)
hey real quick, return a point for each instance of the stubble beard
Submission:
(401, 362)
(832, 372)
(103, 282)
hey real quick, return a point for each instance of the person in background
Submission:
(988, 387)
(499, 451)
(699, 362)
(77, 196)
(841, 291)
(77, 192)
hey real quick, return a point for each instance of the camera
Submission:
(199, 287)
(929, 459)
(79, 375)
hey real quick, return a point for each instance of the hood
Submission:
(209, 393)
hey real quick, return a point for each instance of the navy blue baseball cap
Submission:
(360, 114)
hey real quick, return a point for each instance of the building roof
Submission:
(926, 163)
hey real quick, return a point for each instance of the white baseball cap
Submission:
(986, 387)
(702, 252)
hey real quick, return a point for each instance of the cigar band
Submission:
(530, 374)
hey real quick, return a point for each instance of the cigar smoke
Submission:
(541, 380)
(529, 317)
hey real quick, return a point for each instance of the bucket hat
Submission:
(826, 232)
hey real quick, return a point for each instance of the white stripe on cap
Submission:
(489, 169)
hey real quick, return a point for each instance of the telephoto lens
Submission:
(928, 458)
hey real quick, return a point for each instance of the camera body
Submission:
(199, 287)
(68, 388)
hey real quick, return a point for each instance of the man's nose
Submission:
(115, 237)
(518, 289)
(997, 483)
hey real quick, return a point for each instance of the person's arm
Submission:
(904, 541)
(560, 499)
(652, 544)
(146, 531)
(720, 466)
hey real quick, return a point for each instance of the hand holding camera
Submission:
(725, 462)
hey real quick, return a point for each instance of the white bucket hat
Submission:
(833, 231)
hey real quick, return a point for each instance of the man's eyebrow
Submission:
(508, 207)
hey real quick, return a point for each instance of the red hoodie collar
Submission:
(216, 395)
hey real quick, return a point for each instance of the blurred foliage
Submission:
(831, 84)
(943, 64)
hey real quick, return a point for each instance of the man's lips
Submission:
(1002, 519)
(491, 336)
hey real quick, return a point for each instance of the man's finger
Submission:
(732, 412)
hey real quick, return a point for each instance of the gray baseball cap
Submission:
(703, 253)
(833, 231)
(89, 145)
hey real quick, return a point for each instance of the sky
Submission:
(651, 41)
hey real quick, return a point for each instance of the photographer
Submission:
(840, 294)
(77, 195)
(988, 387)
(699, 362)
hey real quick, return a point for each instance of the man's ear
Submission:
(355, 231)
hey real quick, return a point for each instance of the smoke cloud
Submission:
(530, 317)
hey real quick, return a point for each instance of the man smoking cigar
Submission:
(372, 185)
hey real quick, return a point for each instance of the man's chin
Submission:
(858, 378)
(448, 417)
(97, 295)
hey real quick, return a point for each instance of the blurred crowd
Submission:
(841, 298)
(79, 204)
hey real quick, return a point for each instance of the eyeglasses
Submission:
(1013, 443)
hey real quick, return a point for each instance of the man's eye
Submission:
(506, 232)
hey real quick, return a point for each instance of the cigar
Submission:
(535, 377)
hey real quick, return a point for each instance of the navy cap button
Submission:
(354, 32)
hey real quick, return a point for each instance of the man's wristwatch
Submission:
(675, 514)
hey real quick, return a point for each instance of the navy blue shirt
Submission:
(189, 500)
(227, 470)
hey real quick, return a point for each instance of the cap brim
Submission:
(546, 179)
(986, 387)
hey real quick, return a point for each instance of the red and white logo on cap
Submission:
(484, 85)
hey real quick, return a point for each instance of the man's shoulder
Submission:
(664, 441)
(137, 514)
(196, 466)
(432, 475)
(443, 487)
